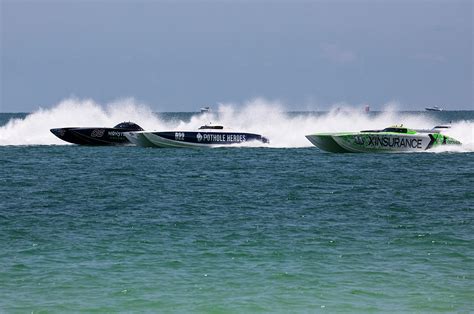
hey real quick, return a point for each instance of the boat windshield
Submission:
(211, 127)
(396, 130)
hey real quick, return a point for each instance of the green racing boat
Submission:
(392, 139)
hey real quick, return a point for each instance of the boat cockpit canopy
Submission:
(129, 126)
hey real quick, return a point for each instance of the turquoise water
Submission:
(109, 229)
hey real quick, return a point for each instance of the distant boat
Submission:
(434, 108)
(205, 109)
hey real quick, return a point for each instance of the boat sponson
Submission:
(326, 142)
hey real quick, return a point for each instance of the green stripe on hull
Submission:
(440, 139)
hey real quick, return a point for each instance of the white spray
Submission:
(270, 119)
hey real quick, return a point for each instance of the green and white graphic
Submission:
(391, 139)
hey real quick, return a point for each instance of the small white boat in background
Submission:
(434, 108)
(205, 109)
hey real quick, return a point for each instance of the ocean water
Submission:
(279, 228)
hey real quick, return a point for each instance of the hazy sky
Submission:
(182, 55)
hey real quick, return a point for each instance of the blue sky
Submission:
(182, 55)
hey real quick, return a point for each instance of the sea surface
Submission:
(233, 230)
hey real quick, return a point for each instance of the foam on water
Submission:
(463, 131)
(270, 119)
(34, 128)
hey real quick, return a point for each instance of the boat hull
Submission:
(363, 142)
(326, 143)
(195, 139)
(92, 136)
(138, 139)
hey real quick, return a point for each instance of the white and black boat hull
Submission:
(192, 139)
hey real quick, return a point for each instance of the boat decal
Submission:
(210, 138)
(97, 133)
(359, 140)
(432, 141)
(115, 133)
(179, 136)
(385, 141)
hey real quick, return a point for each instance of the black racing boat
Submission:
(97, 136)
